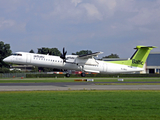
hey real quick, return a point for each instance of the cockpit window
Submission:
(16, 54)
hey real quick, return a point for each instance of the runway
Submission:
(72, 86)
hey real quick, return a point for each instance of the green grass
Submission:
(45, 80)
(79, 105)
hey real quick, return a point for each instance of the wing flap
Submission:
(92, 71)
(89, 55)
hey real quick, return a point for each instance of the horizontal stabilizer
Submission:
(138, 47)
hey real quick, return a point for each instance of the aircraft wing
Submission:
(89, 55)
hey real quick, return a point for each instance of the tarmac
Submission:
(72, 86)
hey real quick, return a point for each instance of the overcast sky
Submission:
(110, 26)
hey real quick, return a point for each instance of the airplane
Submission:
(84, 63)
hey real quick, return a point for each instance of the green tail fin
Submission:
(139, 57)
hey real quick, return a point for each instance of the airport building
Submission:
(153, 63)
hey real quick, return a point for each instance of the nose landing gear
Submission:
(67, 75)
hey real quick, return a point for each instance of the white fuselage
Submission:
(72, 63)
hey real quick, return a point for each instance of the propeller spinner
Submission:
(63, 55)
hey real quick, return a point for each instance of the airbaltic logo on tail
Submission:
(137, 62)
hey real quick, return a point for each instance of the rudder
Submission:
(140, 56)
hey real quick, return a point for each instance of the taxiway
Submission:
(72, 86)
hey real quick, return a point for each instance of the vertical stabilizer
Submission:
(140, 56)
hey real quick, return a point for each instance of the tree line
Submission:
(5, 52)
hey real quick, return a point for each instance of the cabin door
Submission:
(28, 58)
(104, 67)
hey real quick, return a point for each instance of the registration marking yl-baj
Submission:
(84, 63)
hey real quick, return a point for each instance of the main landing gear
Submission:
(82, 74)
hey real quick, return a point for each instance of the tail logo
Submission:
(137, 62)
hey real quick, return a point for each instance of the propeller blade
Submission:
(63, 55)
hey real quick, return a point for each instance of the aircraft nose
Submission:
(6, 60)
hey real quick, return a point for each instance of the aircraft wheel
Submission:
(83, 74)
(67, 75)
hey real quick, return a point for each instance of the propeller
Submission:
(63, 55)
